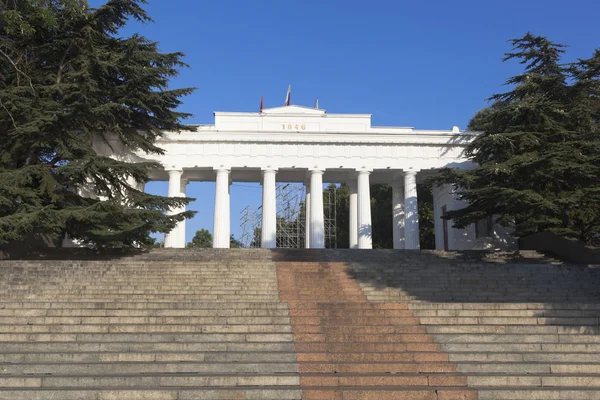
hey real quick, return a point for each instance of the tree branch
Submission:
(9, 114)
(62, 64)
(18, 70)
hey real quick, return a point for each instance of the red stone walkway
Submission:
(349, 348)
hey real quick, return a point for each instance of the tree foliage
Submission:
(69, 82)
(234, 243)
(202, 239)
(538, 154)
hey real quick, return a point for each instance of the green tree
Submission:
(202, 239)
(68, 82)
(233, 243)
(381, 216)
(256, 238)
(538, 165)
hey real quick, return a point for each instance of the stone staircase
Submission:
(164, 325)
(517, 330)
(303, 324)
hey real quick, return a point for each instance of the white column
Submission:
(365, 236)
(180, 228)
(317, 219)
(307, 216)
(398, 214)
(353, 209)
(174, 191)
(411, 227)
(221, 220)
(269, 210)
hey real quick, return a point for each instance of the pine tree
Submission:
(537, 156)
(67, 81)
(202, 239)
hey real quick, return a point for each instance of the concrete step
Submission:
(155, 367)
(149, 337)
(144, 328)
(149, 381)
(125, 347)
(163, 320)
(572, 393)
(102, 393)
(144, 305)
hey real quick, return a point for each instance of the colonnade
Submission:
(404, 208)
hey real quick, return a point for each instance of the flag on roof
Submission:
(288, 96)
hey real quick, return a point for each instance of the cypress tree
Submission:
(69, 81)
(537, 154)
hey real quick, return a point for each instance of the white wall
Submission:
(465, 239)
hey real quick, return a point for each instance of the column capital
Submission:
(268, 169)
(317, 170)
(222, 168)
(411, 172)
(173, 168)
(362, 171)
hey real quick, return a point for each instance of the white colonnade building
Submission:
(307, 145)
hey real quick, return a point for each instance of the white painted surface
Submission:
(398, 214)
(269, 210)
(365, 232)
(294, 140)
(353, 217)
(411, 220)
(221, 225)
(317, 218)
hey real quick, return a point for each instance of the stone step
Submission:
(144, 305)
(487, 357)
(509, 321)
(508, 313)
(124, 347)
(538, 380)
(155, 337)
(339, 381)
(163, 320)
(144, 328)
(139, 368)
(529, 368)
(572, 393)
(503, 306)
(165, 357)
(103, 393)
(521, 348)
(513, 329)
(149, 381)
(78, 312)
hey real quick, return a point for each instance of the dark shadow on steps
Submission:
(466, 276)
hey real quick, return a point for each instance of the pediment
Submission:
(293, 110)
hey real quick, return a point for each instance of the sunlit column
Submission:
(269, 210)
(307, 216)
(353, 217)
(398, 214)
(365, 237)
(173, 191)
(411, 211)
(221, 224)
(317, 219)
(180, 227)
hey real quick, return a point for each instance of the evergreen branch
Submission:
(62, 64)
(9, 114)
(19, 70)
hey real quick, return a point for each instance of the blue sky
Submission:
(427, 64)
